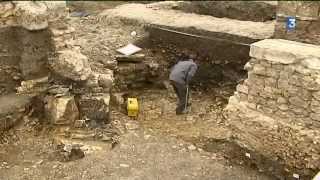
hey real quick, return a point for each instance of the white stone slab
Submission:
(283, 51)
(129, 49)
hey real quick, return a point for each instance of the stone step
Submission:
(12, 109)
(222, 27)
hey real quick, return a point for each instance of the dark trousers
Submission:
(181, 92)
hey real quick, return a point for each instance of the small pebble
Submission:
(146, 137)
(39, 162)
(124, 165)
(296, 176)
(182, 150)
(133, 33)
(192, 147)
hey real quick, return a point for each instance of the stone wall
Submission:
(307, 21)
(10, 55)
(275, 111)
(49, 65)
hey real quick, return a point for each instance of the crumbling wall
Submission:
(10, 56)
(50, 66)
(307, 15)
(275, 112)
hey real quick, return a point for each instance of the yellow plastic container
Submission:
(133, 107)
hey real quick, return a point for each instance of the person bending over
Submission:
(180, 77)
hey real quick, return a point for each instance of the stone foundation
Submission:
(40, 58)
(12, 109)
(275, 111)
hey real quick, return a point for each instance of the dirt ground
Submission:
(157, 145)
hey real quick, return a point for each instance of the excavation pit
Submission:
(158, 142)
(216, 80)
(220, 70)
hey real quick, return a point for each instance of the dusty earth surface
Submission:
(156, 145)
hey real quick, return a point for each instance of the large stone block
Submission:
(311, 83)
(312, 63)
(299, 112)
(32, 15)
(71, 64)
(297, 101)
(61, 110)
(282, 100)
(295, 80)
(6, 9)
(283, 107)
(255, 79)
(302, 70)
(12, 109)
(99, 82)
(271, 82)
(315, 105)
(106, 80)
(283, 51)
(259, 70)
(243, 89)
(95, 107)
(272, 73)
(34, 86)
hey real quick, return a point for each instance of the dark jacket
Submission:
(183, 71)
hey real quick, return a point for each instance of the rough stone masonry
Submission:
(60, 73)
(276, 111)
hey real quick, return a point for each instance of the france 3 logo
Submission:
(291, 23)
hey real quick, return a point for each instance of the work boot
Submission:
(185, 111)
